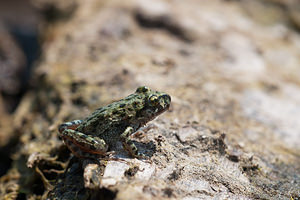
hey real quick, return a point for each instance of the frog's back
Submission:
(114, 117)
(133, 111)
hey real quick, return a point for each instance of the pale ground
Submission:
(233, 130)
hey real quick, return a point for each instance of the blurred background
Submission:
(19, 22)
(19, 48)
(231, 66)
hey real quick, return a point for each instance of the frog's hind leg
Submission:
(69, 125)
(78, 152)
(85, 143)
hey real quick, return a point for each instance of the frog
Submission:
(94, 136)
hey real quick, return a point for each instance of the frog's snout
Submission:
(165, 101)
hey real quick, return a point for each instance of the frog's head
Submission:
(155, 103)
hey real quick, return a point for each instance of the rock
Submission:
(232, 128)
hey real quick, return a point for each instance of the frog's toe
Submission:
(142, 156)
(110, 153)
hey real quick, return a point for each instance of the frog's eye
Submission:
(153, 100)
(142, 89)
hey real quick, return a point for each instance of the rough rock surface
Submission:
(232, 131)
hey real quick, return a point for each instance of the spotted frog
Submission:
(105, 127)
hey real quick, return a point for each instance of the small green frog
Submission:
(93, 136)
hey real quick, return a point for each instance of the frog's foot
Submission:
(114, 159)
(143, 131)
(138, 154)
(109, 154)
(142, 157)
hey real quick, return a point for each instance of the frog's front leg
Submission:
(129, 145)
(80, 144)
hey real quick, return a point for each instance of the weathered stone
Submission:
(232, 131)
